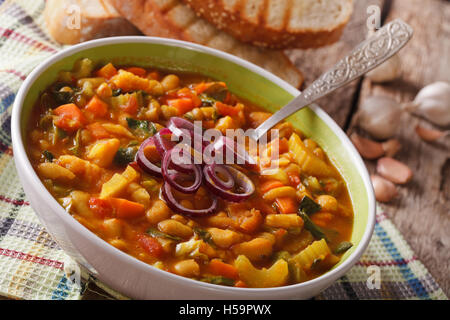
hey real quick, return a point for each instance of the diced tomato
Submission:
(135, 166)
(97, 107)
(126, 209)
(151, 245)
(140, 72)
(107, 71)
(226, 110)
(100, 207)
(132, 106)
(294, 179)
(70, 118)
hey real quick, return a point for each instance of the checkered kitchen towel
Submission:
(32, 265)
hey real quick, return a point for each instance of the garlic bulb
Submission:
(388, 71)
(433, 103)
(379, 116)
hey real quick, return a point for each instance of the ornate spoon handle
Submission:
(366, 56)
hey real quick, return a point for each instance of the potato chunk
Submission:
(102, 152)
(277, 275)
(118, 183)
(114, 186)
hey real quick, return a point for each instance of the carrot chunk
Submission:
(187, 93)
(226, 110)
(269, 185)
(107, 71)
(70, 117)
(126, 209)
(286, 205)
(140, 72)
(97, 107)
(183, 105)
(219, 268)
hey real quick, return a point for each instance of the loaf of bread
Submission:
(174, 19)
(278, 24)
(74, 21)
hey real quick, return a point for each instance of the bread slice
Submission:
(174, 19)
(96, 19)
(278, 24)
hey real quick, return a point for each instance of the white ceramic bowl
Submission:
(130, 276)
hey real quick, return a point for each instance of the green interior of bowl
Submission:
(241, 81)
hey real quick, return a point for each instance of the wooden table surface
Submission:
(421, 211)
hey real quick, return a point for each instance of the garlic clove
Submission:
(368, 149)
(384, 190)
(393, 170)
(388, 71)
(391, 147)
(379, 116)
(430, 135)
(432, 103)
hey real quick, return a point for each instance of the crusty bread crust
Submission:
(259, 33)
(98, 19)
(173, 19)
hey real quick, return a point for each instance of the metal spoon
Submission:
(381, 46)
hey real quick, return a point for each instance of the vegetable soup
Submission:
(103, 139)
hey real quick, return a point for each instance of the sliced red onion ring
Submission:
(171, 178)
(180, 123)
(163, 144)
(227, 146)
(240, 179)
(186, 129)
(212, 170)
(143, 162)
(173, 204)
